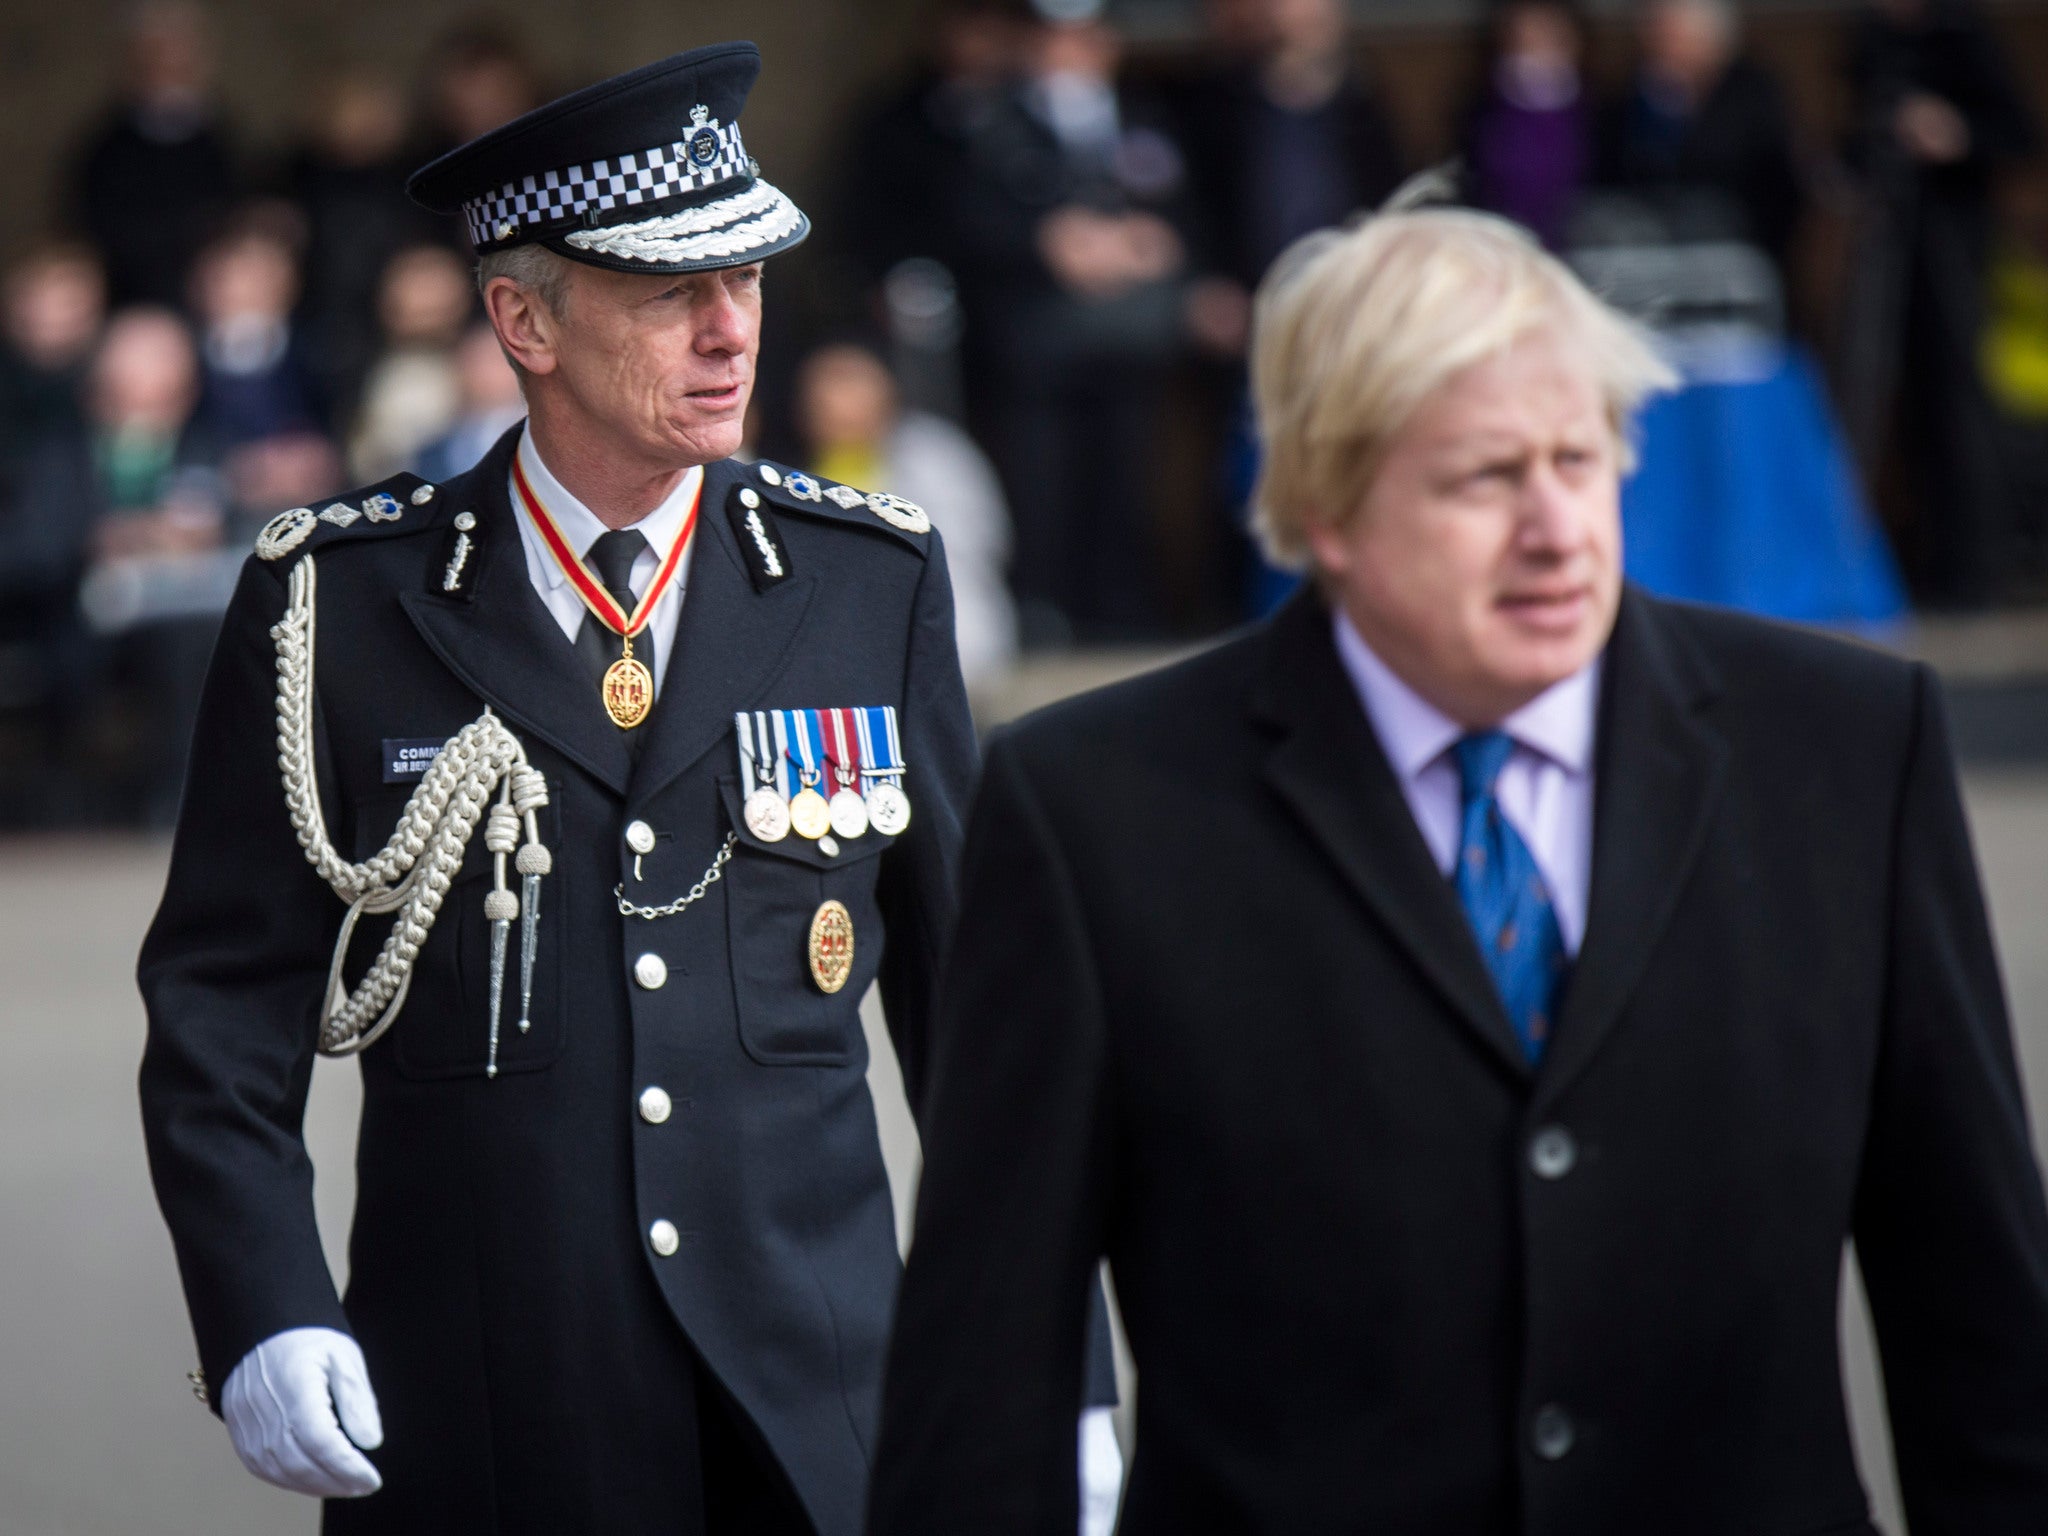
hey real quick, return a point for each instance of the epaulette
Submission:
(401, 504)
(800, 492)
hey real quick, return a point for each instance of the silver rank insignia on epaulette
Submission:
(766, 560)
(802, 486)
(382, 508)
(845, 496)
(285, 533)
(340, 514)
(898, 513)
(459, 553)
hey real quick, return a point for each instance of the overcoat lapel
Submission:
(1328, 766)
(505, 645)
(731, 641)
(1660, 767)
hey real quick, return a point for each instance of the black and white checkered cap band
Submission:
(710, 155)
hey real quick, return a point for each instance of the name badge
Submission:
(407, 758)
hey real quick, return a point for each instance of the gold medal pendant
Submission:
(809, 814)
(628, 690)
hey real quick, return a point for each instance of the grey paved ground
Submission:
(97, 1434)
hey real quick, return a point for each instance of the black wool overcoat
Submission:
(525, 1339)
(1213, 1011)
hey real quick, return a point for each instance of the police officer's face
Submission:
(1485, 562)
(664, 364)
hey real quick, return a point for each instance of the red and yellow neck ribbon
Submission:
(595, 598)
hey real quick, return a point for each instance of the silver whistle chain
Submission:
(696, 892)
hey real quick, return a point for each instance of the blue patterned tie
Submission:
(1504, 896)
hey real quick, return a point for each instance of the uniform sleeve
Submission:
(917, 884)
(1950, 1226)
(231, 975)
(986, 1363)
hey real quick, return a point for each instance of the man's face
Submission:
(664, 363)
(1485, 563)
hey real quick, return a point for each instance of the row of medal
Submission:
(820, 771)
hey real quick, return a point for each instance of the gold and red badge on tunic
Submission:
(831, 946)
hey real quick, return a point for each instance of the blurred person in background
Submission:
(888, 205)
(254, 374)
(488, 404)
(52, 304)
(413, 393)
(157, 176)
(852, 419)
(1529, 135)
(1701, 136)
(1068, 220)
(475, 78)
(1283, 134)
(132, 502)
(347, 179)
(2015, 357)
(1939, 114)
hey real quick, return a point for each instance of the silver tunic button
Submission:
(1554, 1153)
(771, 474)
(664, 1239)
(640, 837)
(465, 521)
(828, 845)
(1552, 1435)
(654, 1105)
(749, 497)
(650, 971)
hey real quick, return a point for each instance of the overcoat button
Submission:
(640, 837)
(654, 1105)
(1554, 1153)
(663, 1238)
(650, 971)
(1552, 1433)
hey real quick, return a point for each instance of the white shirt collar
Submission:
(1559, 723)
(581, 527)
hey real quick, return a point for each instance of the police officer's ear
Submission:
(528, 322)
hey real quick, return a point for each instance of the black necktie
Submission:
(611, 558)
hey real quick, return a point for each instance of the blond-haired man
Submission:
(1473, 1010)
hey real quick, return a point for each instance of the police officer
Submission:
(585, 794)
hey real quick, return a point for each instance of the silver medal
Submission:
(767, 815)
(888, 808)
(849, 814)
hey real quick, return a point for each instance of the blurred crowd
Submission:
(1025, 306)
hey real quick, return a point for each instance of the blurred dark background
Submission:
(1025, 306)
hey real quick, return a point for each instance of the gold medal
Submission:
(628, 690)
(831, 945)
(809, 814)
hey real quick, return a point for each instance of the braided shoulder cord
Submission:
(411, 874)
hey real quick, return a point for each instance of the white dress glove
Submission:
(292, 1406)
(1102, 1472)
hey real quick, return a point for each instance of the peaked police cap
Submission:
(644, 172)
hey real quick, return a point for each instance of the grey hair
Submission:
(533, 267)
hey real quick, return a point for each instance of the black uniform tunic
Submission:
(520, 1327)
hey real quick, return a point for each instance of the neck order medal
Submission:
(628, 687)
